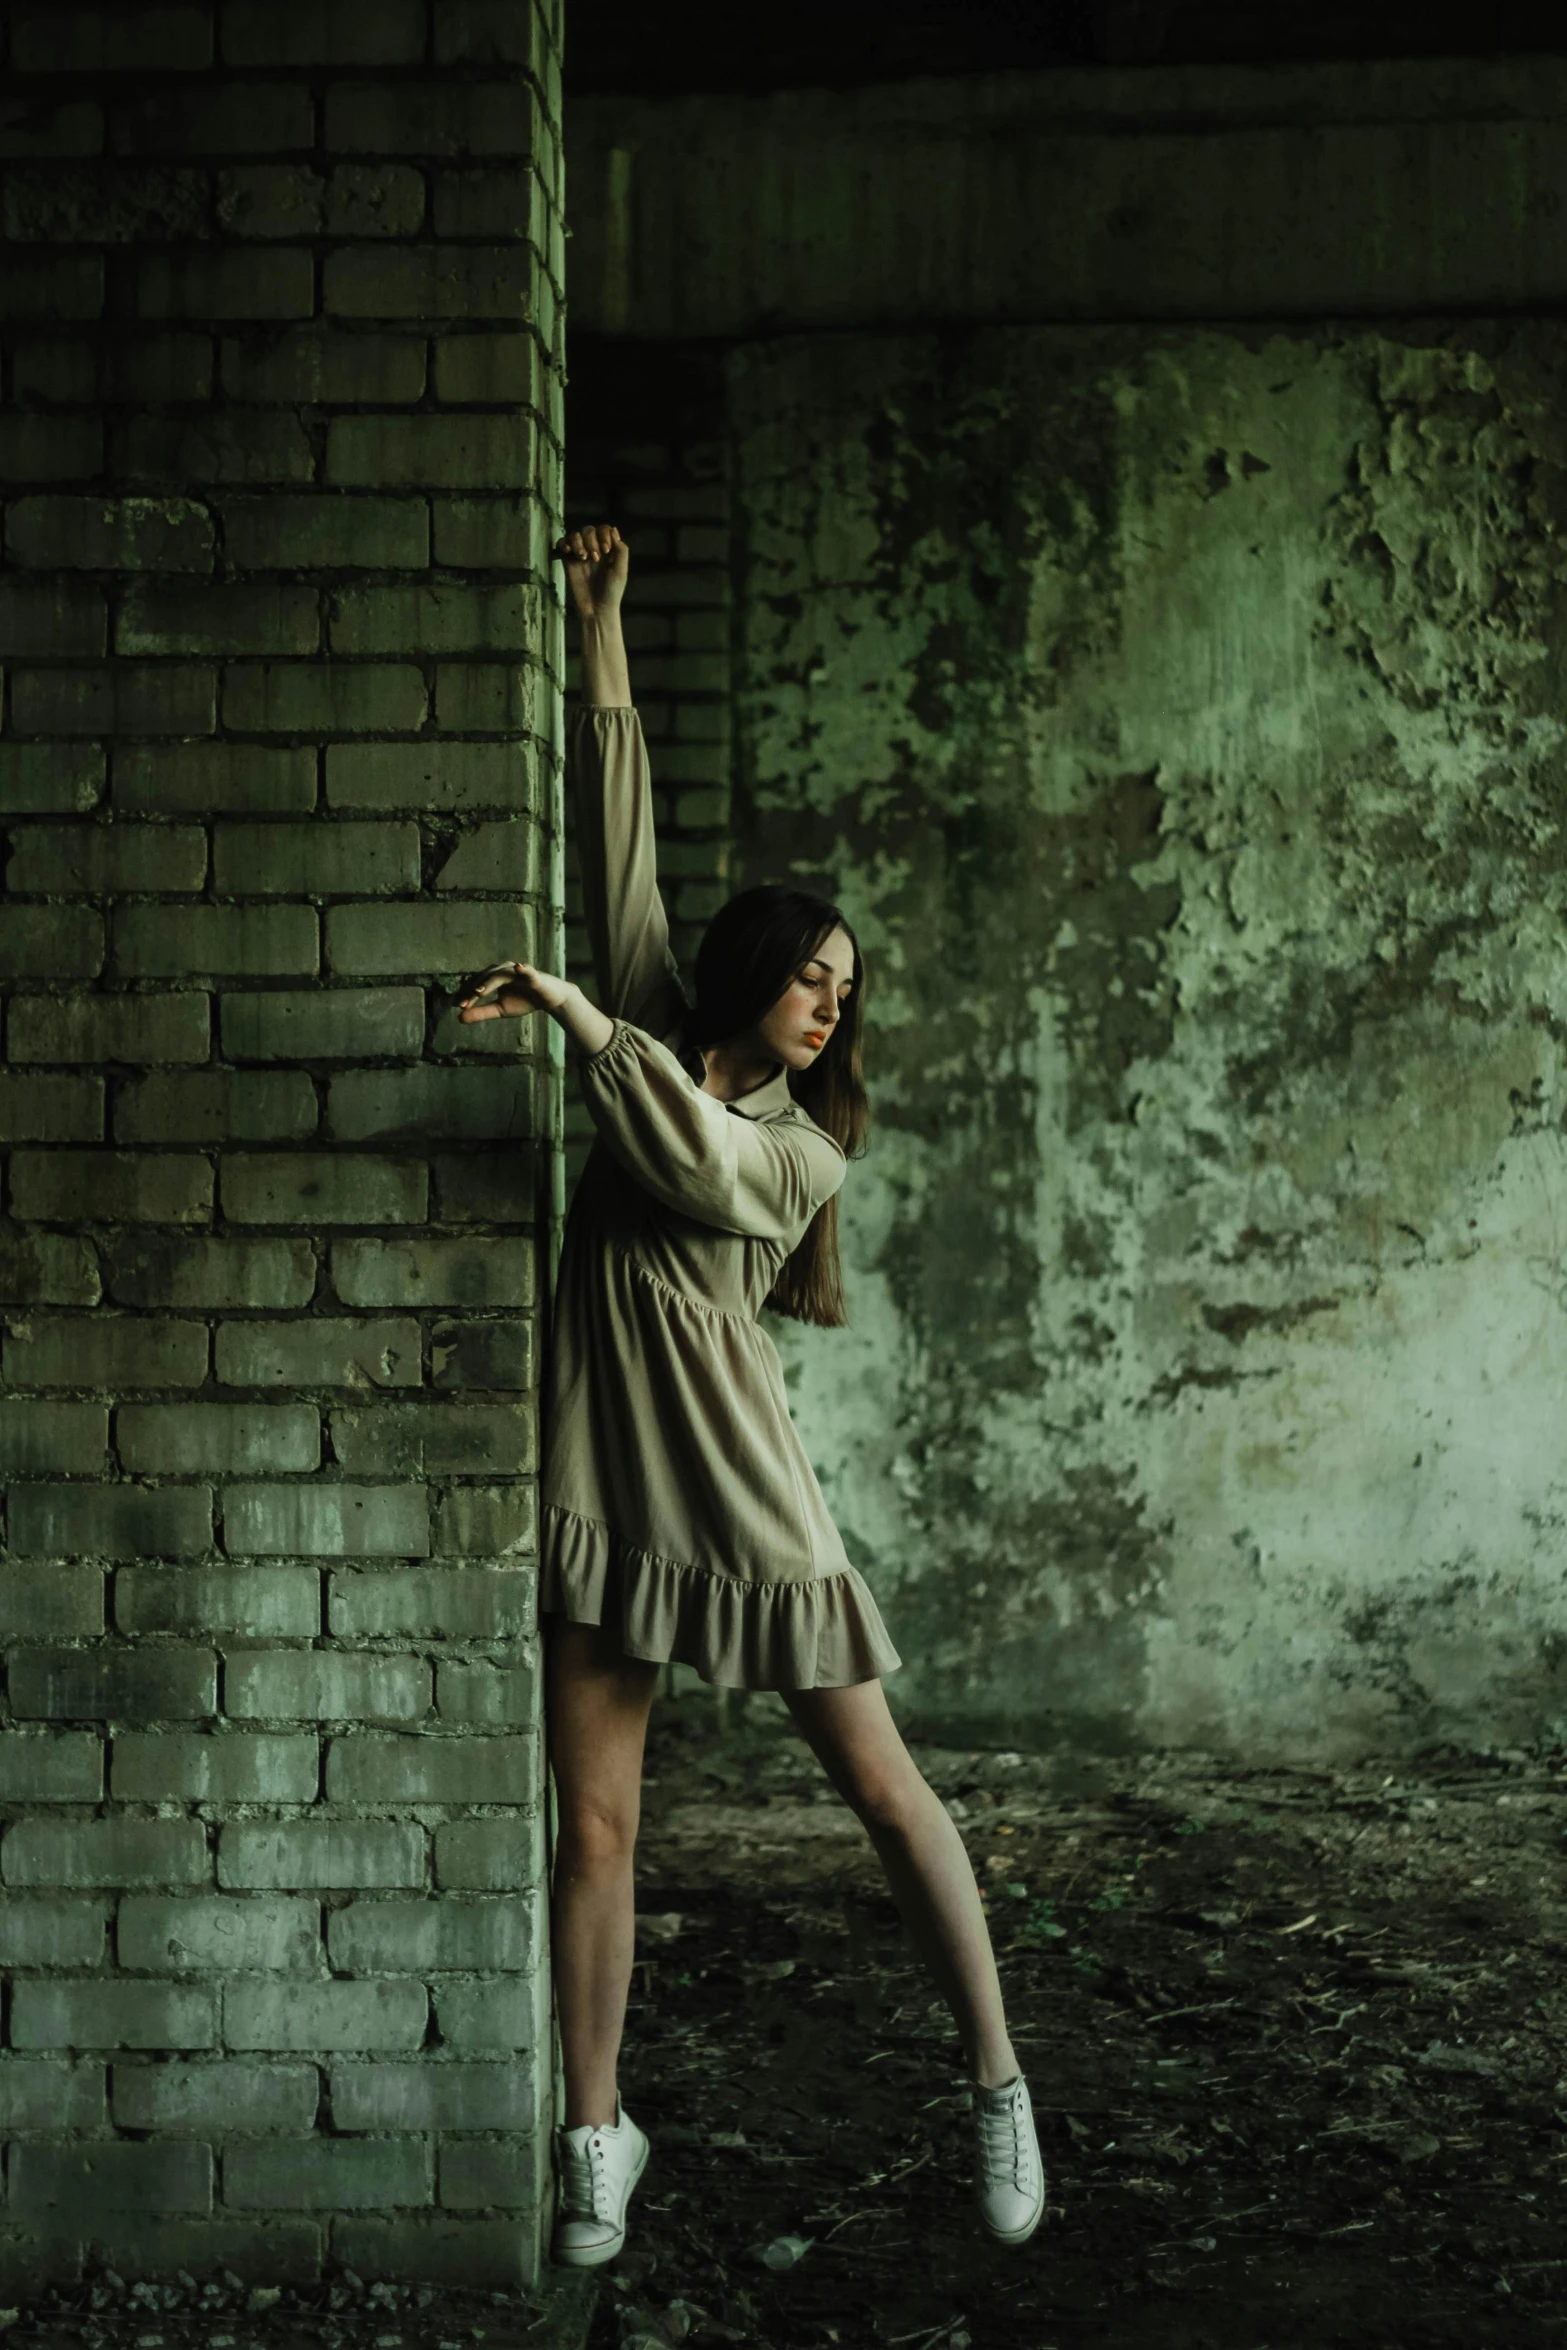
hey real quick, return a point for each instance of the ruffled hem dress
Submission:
(678, 1505)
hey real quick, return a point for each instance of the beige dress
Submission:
(678, 1504)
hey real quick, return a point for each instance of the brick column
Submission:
(281, 460)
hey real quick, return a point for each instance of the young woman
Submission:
(681, 1518)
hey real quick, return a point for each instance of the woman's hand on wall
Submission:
(508, 990)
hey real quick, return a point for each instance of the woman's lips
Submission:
(815, 1036)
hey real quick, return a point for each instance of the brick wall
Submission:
(647, 449)
(280, 310)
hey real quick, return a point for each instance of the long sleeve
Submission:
(762, 1178)
(627, 929)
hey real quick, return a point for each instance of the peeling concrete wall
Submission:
(1178, 712)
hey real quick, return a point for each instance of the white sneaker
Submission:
(1009, 2175)
(598, 2166)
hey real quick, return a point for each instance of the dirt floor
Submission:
(1297, 2041)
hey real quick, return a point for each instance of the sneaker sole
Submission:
(595, 2255)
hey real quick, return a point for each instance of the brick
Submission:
(487, 1696)
(102, 859)
(434, 776)
(317, 1188)
(335, 1024)
(110, 1521)
(267, 617)
(51, 1109)
(488, 32)
(154, 2248)
(258, 1603)
(491, 697)
(105, 1350)
(470, 1355)
(231, 2100)
(483, 533)
(466, 2253)
(123, 699)
(112, 2015)
(218, 1105)
(369, 940)
(211, 778)
(323, 32)
(66, 1601)
(337, 531)
(66, 1769)
(110, 204)
(433, 2095)
(49, 779)
(111, 1187)
(270, 282)
(65, 285)
(423, 281)
(62, 37)
(492, 368)
(116, 1852)
(319, 1353)
(430, 1439)
(509, 203)
(324, 2015)
(154, 1684)
(378, 1105)
(486, 1187)
(313, 861)
(327, 1521)
(440, 618)
(135, 1029)
(156, 1272)
(157, 1934)
(488, 1520)
(42, 2093)
(468, 450)
(487, 2015)
(110, 534)
(36, 127)
(324, 698)
(50, 941)
(244, 117)
(126, 367)
(109, 2175)
(50, 448)
(324, 1854)
(47, 1269)
(38, 1931)
(412, 1273)
(489, 1855)
(328, 2174)
(313, 366)
(270, 200)
(428, 118)
(421, 1937)
(444, 1603)
(178, 1439)
(326, 1685)
(375, 200)
(252, 942)
(231, 1766)
(503, 857)
(38, 1437)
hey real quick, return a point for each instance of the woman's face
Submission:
(799, 1024)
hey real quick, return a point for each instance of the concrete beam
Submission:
(1116, 194)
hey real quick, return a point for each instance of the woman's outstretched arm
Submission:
(597, 561)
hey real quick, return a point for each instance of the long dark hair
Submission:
(750, 951)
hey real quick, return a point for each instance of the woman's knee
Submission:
(890, 1803)
(595, 1832)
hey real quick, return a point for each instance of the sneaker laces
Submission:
(1006, 2151)
(583, 2183)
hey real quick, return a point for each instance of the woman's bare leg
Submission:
(857, 1742)
(596, 1706)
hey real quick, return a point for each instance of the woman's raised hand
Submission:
(597, 560)
(509, 989)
